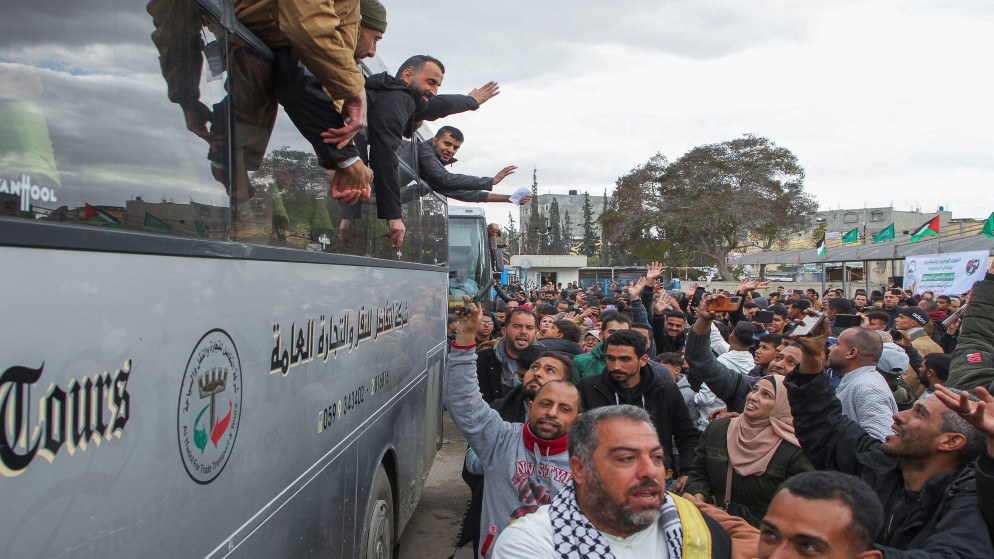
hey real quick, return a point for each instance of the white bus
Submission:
(193, 363)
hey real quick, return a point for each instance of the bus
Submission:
(203, 355)
(470, 265)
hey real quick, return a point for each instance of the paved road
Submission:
(434, 527)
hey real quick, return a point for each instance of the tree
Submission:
(555, 229)
(535, 226)
(590, 242)
(711, 199)
(512, 235)
(605, 244)
(569, 243)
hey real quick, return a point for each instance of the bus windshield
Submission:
(468, 268)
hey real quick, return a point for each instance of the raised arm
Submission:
(472, 416)
(830, 440)
(727, 385)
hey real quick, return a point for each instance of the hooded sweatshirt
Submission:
(522, 472)
(661, 399)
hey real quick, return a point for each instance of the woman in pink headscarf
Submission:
(742, 460)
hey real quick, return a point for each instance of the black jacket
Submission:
(511, 406)
(664, 343)
(489, 371)
(729, 386)
(391, 108)
(567, 347)
(465, 188)
(662, 400)
(942, 520)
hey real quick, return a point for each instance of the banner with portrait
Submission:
(950, 273)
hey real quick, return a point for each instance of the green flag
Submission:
(823, 245)
(887, 233)
(851, 237)
(989, 226)
(152, 221)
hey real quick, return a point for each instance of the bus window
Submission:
(88, 134)
(172, 128)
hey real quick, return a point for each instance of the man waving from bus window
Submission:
(525, 466)
(397, 105)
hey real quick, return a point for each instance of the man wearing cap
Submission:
(912, 321)
(892, 363)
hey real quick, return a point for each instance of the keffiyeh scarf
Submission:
(575, 537)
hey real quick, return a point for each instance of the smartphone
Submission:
(788, 291)
(476, 298)
(611, 307)
(808, 325)
(847, 321)
(763, 317)
(697, 297)
(725, 304)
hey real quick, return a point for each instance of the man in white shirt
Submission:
(865, 396)
(617, 504)
(738, 358)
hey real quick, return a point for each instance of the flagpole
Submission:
(822, 294)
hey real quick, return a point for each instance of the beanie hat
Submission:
(374, 15)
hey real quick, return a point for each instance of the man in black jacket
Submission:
(923, 473)
(396, 105)
(496, 368)
(670, 331)
(628, 379)
(438, 153)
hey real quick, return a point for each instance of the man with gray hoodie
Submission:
(524, 466)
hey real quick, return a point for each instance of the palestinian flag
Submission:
(94, 215)
(887, 233)
(931, 227)
(822, 245)
(989, 226)
(851, 237)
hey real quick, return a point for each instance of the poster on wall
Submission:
(950, 273)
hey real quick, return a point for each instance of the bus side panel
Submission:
(191, 407)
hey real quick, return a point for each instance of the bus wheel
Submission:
(379, 521)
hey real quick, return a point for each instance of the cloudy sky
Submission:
(882, 101)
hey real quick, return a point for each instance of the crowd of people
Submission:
(646, 423)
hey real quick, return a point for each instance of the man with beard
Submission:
(923, 473)
(549, 365)
(593, 363)
(670, 331)
(396, 105)
(617, 505)
(496, 367)
(628, 379)
(863, 392)
(524, 465)
(892, 300)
